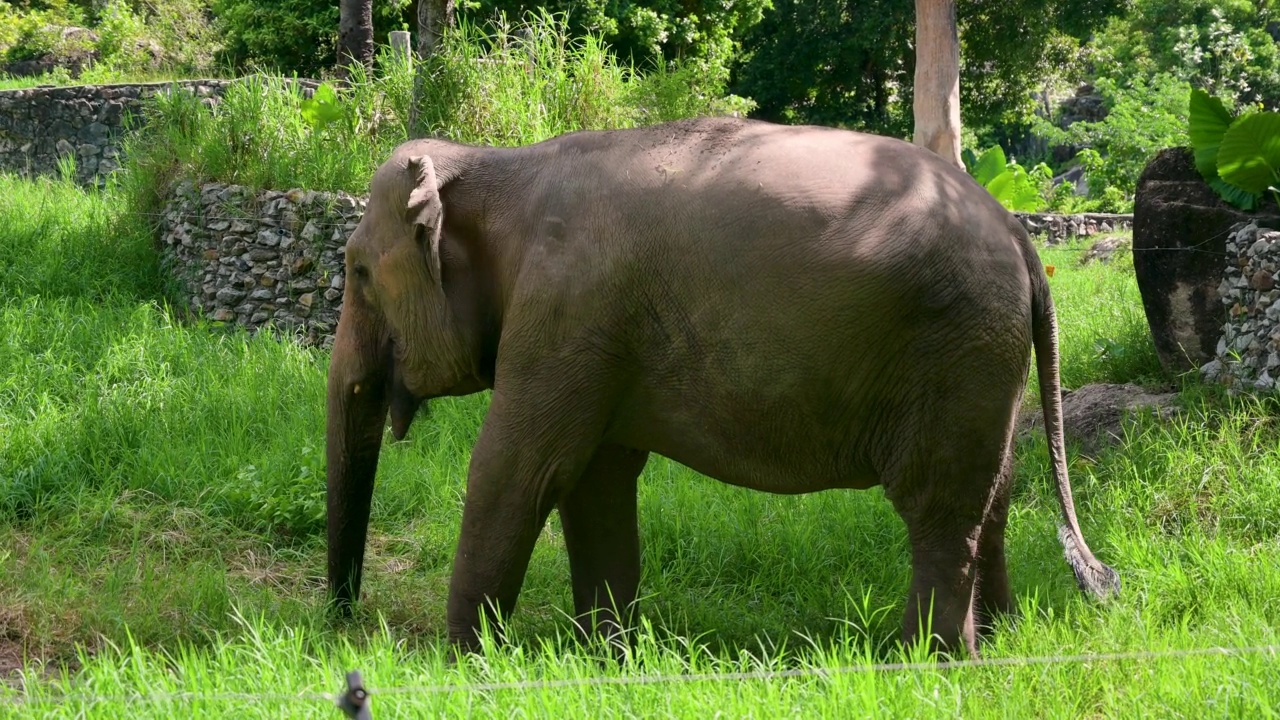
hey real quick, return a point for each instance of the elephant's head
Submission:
(401, 339)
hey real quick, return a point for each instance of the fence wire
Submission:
(644, 680)
(1052, 249)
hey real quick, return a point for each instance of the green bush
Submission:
(294, 36)
(27, 32)
(516, 84)
(287, 500)
(1141, 120)
(647, 33)
(510, 84)
(258, 136)
(1009, 182)
(130, 39)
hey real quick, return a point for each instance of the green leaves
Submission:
(1244, 200)
(1007, 182)
(1249, 156)
(1208, 122)
(322, 107)
(1238, 157)
(989, 165)
(1015, 190)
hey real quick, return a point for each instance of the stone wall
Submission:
(1059, 228)
(252, 258)
(256, 258)
(41, 124)
(1248, 355)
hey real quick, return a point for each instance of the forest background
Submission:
(1086, 90)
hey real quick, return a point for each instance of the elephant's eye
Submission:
(362, 272)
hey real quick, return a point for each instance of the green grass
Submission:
(161, 532)
(97, 76)
(1103, 329)
(499, 83)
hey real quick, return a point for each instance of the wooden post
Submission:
(354, 703)
(400, 47)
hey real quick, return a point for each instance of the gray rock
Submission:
(229, 295)
(269, 238)
(1095, 415)
(311, 231)
(1212, 370)
(1103, 250)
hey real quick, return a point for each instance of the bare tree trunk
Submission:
(937, 85)
(433, 17)
(355, 33)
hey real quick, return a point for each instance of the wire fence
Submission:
(1051, 250)
(353, 699)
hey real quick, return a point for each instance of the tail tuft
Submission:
(1092, 576)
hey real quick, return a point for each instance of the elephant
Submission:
(784, 308)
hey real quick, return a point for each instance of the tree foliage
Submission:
(834, 62)
(294, 35)
(1226, 47)
(645, 31)
(829, 62)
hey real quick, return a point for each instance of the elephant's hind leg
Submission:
(598, 516)
(944, 492)
(993, 597)
(944, 553)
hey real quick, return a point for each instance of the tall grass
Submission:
(509, 84)
(498, 83)
(1103, 328)
(160, 532)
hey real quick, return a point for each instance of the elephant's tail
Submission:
(1091, 574)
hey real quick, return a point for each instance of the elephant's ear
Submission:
(426, 211)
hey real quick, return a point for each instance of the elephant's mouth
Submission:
(404, 401)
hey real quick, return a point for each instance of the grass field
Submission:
(161, 536)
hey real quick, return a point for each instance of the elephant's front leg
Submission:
(523, 461)
(602, 538)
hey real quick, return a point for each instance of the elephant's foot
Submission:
(992, 598)
(944, 573)
(940, 610)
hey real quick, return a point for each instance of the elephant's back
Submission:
(785, 292)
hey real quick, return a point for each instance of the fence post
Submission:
(354, 703)
(400, 44)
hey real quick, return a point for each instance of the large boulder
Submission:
(1180, 228)
(1097, 416)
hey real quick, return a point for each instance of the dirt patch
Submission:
(1095, 415)
(14, 658)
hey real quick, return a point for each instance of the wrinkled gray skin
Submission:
(789, 309)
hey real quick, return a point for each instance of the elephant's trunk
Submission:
(357, 413)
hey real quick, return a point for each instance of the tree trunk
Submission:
(937, 85)
(355, 33)
(433, 17)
